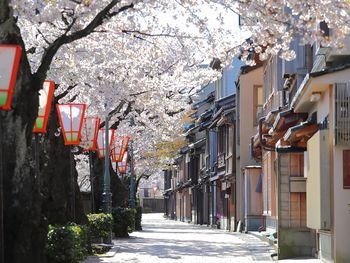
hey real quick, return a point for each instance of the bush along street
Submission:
(100, 226)
(123, 221)
(67, 244)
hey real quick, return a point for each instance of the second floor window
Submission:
(222, 139)
(258, 103)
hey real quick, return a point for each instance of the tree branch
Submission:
(115, 111)
(66, 39)
(63, 94)
(172, 113)
(123, 117)
(159, 34)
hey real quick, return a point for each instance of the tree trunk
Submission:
(56, 176)
(25, 228)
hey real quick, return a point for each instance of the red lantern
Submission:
(45, 98)
(89, 133)
(10, 56)
(120, 146)
(101, 142)
(71, 119)
(123, 164)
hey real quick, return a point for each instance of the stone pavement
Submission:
(171, 241)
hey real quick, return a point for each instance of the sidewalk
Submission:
(167, 241)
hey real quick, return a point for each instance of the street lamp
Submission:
(45, 99)
(10, 56)
(104, 143)
(122, 166)
(89, 133)
(71, 119)
(120, 146)
(89, 143)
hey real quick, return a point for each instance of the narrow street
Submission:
(171, 241)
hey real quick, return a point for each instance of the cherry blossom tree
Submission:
(141, 59)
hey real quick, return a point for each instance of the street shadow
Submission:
(168, 247)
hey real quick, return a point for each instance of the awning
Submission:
(206, 115)
(229, 111)
(301, 133)
(204, 125)
(217, 114)
(197, 144)
(283, 122)
(184, 150)
(192, 130)
(270, 117)
(286, 119)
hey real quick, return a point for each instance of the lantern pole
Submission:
(1, 199)
(36, 158)
(107, 195)
(71, 157)
(132, 182)
(92, 177)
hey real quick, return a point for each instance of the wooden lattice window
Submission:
(342, 114)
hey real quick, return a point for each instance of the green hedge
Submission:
(123, 221)
(67, 244)
(138, 218)
(100, 226)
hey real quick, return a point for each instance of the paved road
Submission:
(168, 241)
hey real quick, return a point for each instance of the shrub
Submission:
(123, 221)
(100, 225)
(138, 218)
(66, 244)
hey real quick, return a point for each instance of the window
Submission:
(346, 169)
(258, 103)
(229, 140)
(221, 139)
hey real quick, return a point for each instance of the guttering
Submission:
(262, 141)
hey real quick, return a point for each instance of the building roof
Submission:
(329, 70)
